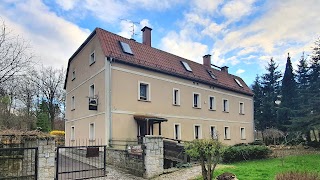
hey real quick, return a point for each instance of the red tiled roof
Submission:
(151, 58)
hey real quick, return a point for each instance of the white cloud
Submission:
(180, 45)
(154, 4)
(67, 4)
(236, 9)
(206, 6)
(240, 71)
(53, 43)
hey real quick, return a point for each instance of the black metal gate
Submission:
(80, 162)
(19, 163)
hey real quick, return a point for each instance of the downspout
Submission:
(108, 115)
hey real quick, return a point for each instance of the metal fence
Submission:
(19, 163)
(80, 162)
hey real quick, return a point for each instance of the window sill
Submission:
(144, 100)
(241, 113)
(225, 111)
(92, 140)
(227, 138)
(211, 109)
(92, 63)
(243, 139)
(72, 140)
(73, 109)
(73, 79)
(196, 107)
(176, 105)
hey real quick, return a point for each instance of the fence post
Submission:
(153, 155)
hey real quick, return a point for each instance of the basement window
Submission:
(186, 66)
(126, 48)
(238, 82)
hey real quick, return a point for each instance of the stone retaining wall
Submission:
(133, 163)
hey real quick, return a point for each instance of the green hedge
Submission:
(241, 153)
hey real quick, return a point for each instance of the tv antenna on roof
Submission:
(132, 26)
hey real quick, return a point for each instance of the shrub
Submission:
(240, 153)
(298, 176)
(257, 142)
(57, 133)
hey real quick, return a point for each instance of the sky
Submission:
(240, 34)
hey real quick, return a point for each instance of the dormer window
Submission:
(126, 48)
(238, 82)
(213, 76)
(186, 66)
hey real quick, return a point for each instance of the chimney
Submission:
(207, 60)
(146, 35)
(224, 69)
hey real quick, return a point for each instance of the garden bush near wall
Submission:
(245, 152)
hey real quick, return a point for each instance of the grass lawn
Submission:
(267, 169)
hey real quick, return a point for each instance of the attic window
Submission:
(238, 82)
(212, 74)
(126, 48)
(186, 66)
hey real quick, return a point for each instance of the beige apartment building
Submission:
(121, 89)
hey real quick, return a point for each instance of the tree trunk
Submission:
(203, 168)
(314, 134)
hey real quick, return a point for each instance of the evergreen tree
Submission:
(43, 120)
(288, 97)
(258, 94)
(271, 90)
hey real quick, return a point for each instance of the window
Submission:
(196, 100)
(177, 131)
(241, 108)
(212, 103)
(73, 105)
(126, 48)
(92, 58)
(91, 91)
(242, 133)
(213, 132)
(144, 91)
(212, 75)
(197, 132)
(238, 82)
(186, 66)
(176, 97)
(72, 134)
(91, 131)
(225, 105)
(226, 132)
(73, 74)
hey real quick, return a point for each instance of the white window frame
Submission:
(73, 103)
(179, 131)
(93, 92)
(227, 133)
(227, 105)
(241, 109)
(72, 133)
(73, 74)
(148, 91)
(200, 131)
(198, 100)
(178, 97)
(213, 103)
(92, 135)
(243, 135)
(215, 135)
(92, 60)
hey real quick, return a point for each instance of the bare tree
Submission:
(50, 81)
(14, 56)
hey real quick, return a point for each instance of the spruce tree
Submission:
(258, 94)
(271, 90)
(288, 97)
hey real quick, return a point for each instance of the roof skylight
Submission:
(238, 82)
(212, 74)
(126, 48)
(186, 66)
